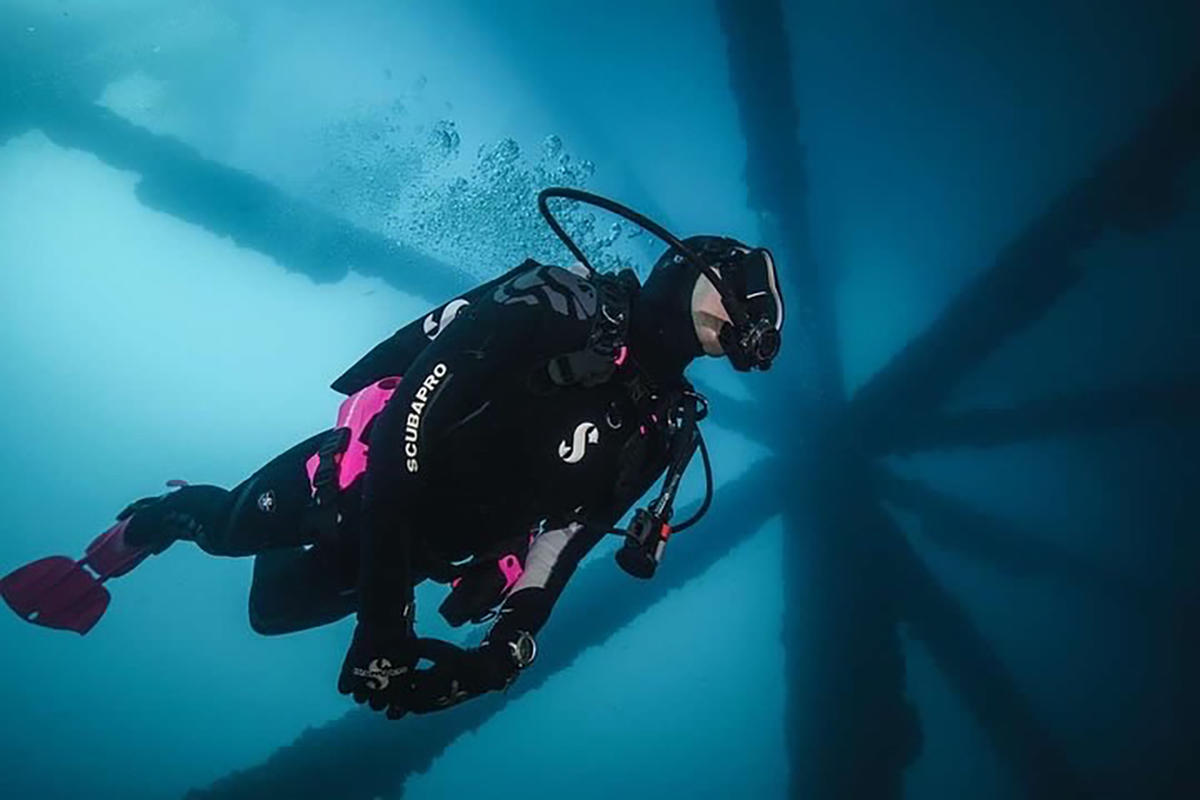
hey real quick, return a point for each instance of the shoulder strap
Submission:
(599, 359)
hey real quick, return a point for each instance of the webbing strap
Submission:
(596, 363)
(323, 511)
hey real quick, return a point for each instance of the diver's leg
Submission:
(300, 580)
(305, 587)
(302, 588)
(267, 511)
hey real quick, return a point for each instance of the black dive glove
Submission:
(458, 675)
(379, 667)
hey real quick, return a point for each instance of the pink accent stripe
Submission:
(510, 565)
(621, 354)
(356, 413)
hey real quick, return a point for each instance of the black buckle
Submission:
(325, 476)
(561, 370)
(595, 364)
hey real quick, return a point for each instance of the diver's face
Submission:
(708, 315)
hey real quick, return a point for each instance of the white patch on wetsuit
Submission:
(543, 556)
(266, 502)
(574, 449)
(434, 327)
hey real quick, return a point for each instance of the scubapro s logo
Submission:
(433, 327)
(266, 502)
(574, 450)
(379, 674)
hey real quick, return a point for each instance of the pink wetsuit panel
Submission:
(356, 413)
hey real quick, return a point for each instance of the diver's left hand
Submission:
(379, 665)
(458, 675)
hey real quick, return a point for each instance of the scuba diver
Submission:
(489, 445)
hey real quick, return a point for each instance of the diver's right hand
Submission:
(379, 665)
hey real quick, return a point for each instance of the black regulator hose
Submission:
(737, 312)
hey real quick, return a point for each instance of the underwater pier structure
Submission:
(854, 586)
(851, 729)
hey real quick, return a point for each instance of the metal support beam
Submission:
(1074, 414)
(760, 75)
(1041, 768)
(179, 181)
(954, 525)
(1132, 188)
(851, 730)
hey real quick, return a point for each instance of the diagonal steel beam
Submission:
(1071, 414)
(362, 755)
(953, 524)
(1041, 768)
(177, 180)
(1133, 187)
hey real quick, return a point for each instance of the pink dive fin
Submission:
(57, 592)
(109, 556)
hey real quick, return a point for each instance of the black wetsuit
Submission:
(477, 446)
